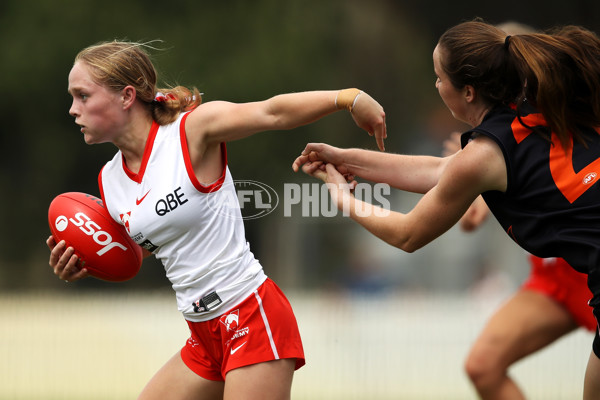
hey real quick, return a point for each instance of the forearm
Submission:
(461, 180)
(384, 224)
(219, 121)
(408, 232)
(394, 228)
(288, 111)
(292, 110)
(417, 174)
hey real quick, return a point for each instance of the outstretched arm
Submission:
(477, 168)
(416, 174)
(219, 121)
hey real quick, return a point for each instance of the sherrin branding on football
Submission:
(103, 244)
(90, 228)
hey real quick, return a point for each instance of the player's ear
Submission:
(469, 93)
(128, 95)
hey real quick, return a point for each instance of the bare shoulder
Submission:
(206, 113)
(203, 120)
(221, 121)
(482, 163)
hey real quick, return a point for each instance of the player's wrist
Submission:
(346, 98)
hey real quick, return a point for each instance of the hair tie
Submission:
(506, 41)
(161, 97)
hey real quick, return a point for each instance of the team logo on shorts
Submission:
(231, 320)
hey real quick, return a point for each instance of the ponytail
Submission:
(557, 72)
(562, 71)
(169, 103)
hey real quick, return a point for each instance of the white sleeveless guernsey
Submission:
(195, 230)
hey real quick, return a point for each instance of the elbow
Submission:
(401, 237)
(407, 246)
(410, 248)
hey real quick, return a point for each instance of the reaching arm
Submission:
(477, 168)
(417, 174)
(219, 121)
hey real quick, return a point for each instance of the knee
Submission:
(482, 370)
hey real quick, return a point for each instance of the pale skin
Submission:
(450, 185)
(516, 330)
(118, 117)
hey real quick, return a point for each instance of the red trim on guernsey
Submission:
(101, 187)
(188, 163)
(147, 151)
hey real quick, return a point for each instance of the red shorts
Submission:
(259, 329)
(559, 281)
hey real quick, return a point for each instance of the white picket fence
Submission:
(400, 346)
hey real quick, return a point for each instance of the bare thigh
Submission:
(270, 380)
(591, 388)
(175, 381)
(528, 322)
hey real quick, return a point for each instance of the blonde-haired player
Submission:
(170, 165)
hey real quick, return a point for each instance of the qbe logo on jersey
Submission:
(90, 228)
(243, 199)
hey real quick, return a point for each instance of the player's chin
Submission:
(87, 137)
(91, 139)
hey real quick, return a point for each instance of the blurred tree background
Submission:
(231, 50)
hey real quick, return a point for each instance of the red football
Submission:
(82, 221)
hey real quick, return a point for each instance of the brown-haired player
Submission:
(533, 152)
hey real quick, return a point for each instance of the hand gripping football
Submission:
(83, 223)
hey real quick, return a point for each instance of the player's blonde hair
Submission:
(118, 64)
